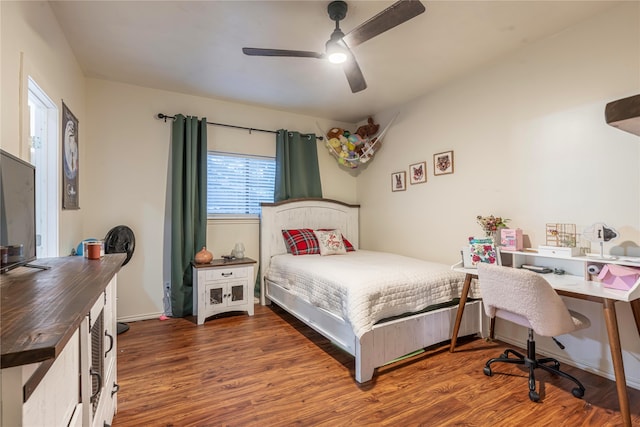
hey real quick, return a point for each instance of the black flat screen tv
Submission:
(17, 212)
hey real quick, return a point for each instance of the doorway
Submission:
(43, 124)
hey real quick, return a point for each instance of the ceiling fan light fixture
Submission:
(335, 53)
(337, 57)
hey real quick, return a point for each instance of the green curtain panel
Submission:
(188, 206)
(297, 170)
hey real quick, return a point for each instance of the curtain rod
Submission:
(165, 117)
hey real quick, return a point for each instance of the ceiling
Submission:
(195, 47)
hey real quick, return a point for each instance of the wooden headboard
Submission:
(302, 213)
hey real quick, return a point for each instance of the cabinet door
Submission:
(110, 329)
(54, 401)
(236, 292)
(215, 295)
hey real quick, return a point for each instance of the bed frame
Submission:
(386, 341)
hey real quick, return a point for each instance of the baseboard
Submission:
(137, 317)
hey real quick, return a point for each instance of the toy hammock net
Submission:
(352, 150)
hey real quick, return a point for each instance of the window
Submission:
(237, 184)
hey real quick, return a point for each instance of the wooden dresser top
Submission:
(41, 309)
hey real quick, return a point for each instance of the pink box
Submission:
(511, 239)
(619, 277)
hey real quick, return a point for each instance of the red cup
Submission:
(93, 250)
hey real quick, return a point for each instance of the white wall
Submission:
(126, 171)
(530, 144)
(32, 44)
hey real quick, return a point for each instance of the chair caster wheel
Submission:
(578, 392)
(556, 365)
(534, 396)
(487, 371)
(504, 356)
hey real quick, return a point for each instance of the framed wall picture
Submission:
(443, 163)
(70, 157)
(399, 181)
(418, 173)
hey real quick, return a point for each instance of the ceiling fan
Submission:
(338, 47)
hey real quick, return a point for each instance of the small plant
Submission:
(490, 224)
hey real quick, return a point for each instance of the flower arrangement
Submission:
(490, 224)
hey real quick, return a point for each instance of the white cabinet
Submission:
(57, 398)
(222, 286)
(65, 373)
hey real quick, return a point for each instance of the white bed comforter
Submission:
(365, 287)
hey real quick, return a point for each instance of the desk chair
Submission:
(527, 299)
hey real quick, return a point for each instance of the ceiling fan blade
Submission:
(354, 74)
(253, 51)
(394, 15)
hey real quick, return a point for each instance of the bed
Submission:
(351, 299)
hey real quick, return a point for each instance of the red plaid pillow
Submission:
(347, 244)
(301, 241)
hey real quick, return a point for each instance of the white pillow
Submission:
(330, 242)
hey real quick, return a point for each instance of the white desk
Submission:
(577, 287)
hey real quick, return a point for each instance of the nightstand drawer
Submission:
(226, 273)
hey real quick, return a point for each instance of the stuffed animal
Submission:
(369, 129)
(335, 133)
(352, 149)
(355, 139)
(334, 142)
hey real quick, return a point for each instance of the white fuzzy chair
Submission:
(527, 299)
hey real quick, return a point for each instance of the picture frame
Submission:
(399, 181)
(443, 163)
(418, 173)
(70, 160)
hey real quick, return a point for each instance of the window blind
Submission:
(237, 184)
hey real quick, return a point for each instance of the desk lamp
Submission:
(599, 232)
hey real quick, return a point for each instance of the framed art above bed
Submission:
(443, 163)
(399, 181)
(418, 173)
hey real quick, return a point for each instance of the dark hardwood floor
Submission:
(271, 370)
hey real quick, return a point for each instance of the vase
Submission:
(204, 256)
(497, 236)
(238, 250)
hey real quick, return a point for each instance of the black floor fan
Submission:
(119, 240)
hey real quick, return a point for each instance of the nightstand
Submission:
(222, 286)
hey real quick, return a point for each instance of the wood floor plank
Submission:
(271, 370)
